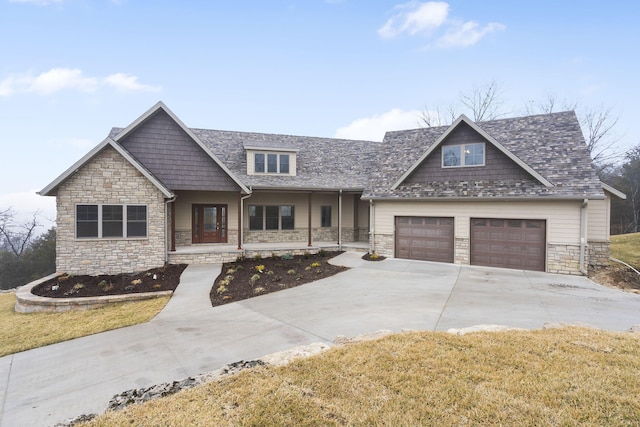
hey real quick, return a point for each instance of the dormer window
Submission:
(463, 155)
(271, 163)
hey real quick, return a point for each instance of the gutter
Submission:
(583, 235)
(241, 241)
(372, 237)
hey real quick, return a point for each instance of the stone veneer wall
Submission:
(384, 244)
(321, 234)
(563, 258)
(462, 251)
(598, 254)
(109, 179)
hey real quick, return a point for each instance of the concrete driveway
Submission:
(50, 384)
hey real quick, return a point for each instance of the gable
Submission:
(171, 155)
(498, 166)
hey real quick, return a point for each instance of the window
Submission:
(271, 163)
(271, 217)
(463, 155)
(259, 162)
(325, 216)
(111, 221)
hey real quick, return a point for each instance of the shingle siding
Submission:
(174, 158)
(497, 165)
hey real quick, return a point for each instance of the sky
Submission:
(70, 70)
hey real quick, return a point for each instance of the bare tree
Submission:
(16, 238)
(547, 106)
(481, 103)
(631, 176)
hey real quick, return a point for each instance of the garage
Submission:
(508, 243)
(424, 238)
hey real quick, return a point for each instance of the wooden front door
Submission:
(209, 224)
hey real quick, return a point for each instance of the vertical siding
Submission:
(563, 218)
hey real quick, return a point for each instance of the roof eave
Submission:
(613, 191)
(481, 199)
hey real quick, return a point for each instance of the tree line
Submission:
(24, 255)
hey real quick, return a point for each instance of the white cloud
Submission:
(430, 20)
(463, 34)
(58, 79)
(415, 18)
(128, 82)
(374, 127)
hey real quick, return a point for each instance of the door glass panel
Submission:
(196, 223)
(210, 219)
(223, 222)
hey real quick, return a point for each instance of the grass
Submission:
(626, 247)
(571, 376)
(19, 332)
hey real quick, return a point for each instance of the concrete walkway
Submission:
(47, 385)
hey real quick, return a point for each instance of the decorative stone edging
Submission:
(26, 302)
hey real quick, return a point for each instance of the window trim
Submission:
(264, 217)
(265, 163)
(100, 222)
(462, 157)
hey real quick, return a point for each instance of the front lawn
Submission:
(626, 247)
(569, 377)
(19, 331)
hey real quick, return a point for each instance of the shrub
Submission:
(260, 268)
(287, 256)
(221, 289)
(78, 286)
(374, 256)
(231, 271)
(315, 265)
(257, 257)
(228, 278)
(255, 278)
(292, 271)
(136, 282)
(322, 253)
(306, 254)
(258, 290)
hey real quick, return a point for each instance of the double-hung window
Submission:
(271, 217)
(111, 221)
(463, 155)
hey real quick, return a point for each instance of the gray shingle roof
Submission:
(551, 144)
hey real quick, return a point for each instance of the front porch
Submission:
(218, 253)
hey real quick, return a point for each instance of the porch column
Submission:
(309, 222)
(240, 221)
(173, 226)
(356, 214)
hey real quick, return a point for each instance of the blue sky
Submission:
(72, 69)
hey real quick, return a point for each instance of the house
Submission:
(516, 193)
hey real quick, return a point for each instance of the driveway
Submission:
(47, 385)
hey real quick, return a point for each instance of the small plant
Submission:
(78, 286)
(254, 278)
(292, 271)
(157, 286)
(231, 271)
(221, 289)
(315, 265)
(136, 282)
(270, 273)
(287, 256)
(307, 268)
(229, 278)
(240, 258)
(374, 256)
(274, 256)
(259, 290)
(227, 297)
(322, 253)
(239, 267)
(224, 282)
(103, 284)
(64, 278)
(260, 268)
(257, 257)
(306, 255)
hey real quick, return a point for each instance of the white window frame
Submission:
(100, 221)
(462, 148)
(266, 163)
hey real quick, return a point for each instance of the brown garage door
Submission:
(508, 243)
(424, 238)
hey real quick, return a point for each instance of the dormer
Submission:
(266, 158)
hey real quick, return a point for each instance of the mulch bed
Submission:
(164, 278)
(251, 277)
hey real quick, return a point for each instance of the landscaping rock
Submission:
(285, 357)
(483, 328)
(343, 340)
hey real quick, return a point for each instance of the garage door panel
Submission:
(424, 238)
(508, 243)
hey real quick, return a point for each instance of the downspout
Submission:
(241, 231)
(372, 217)
(167, 227)
(340, 221)
(583, 235)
